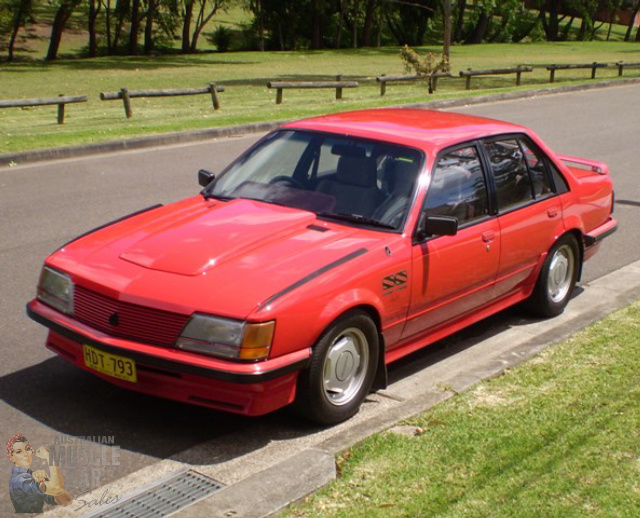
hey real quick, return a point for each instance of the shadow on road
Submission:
(54, 390)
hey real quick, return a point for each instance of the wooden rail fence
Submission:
(593, 66)
(622, 64)
(519, 70)
(338, 84)
(126, 95)
(61, 101)
(431, 78)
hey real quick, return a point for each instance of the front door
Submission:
(454, 275)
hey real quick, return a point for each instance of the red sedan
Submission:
(329, 249)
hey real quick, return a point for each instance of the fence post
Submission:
(518, 76)
(339, 88)
(214, 96)
(593, 70)
(620, 66)
(435, 83)
(468, 84)
(61, 111)
(552, 74)
(279, 96)
(127, 102)
(383, 86)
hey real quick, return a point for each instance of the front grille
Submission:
(125, 320)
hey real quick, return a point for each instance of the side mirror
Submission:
(437, 226)
(205, 177)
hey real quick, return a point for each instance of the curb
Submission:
(38, 155)
(271, 490)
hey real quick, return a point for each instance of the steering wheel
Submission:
(286, 179)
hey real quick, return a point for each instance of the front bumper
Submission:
(245, 388)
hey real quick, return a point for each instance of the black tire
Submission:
(557, 278)
(341, 372)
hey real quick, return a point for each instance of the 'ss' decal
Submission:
(395, 280)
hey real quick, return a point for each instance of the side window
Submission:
(513, 184)
(537, 169)
(561, 184)
(458, 187)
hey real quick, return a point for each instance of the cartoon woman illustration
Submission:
(30, 490)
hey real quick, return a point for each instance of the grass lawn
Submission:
(558, 436)
(247, 99)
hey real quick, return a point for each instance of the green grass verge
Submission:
(555, 437)
(247, 99)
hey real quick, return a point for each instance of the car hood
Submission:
(224, 257)
(193, 242)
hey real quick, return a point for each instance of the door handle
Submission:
(552, 213)
(488, 236)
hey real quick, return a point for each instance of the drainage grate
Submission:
(173, 494)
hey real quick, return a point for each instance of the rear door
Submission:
(529, 212)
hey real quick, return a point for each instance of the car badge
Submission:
(114, 319)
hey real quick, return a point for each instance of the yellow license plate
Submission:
(110, 364)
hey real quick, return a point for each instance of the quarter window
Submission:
(458, 187)
(509, 168)
(538, 170)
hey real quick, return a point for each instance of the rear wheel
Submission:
(341, 372)
(557, 278)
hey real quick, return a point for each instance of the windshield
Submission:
(349, 179)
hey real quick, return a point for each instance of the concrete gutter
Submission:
(166, 139)
(418, 387)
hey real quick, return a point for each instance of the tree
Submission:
(635, 8)
(17, 12)
(94, 10)
(408, 21)
(204, 11)
(550, 24)
(63, 13)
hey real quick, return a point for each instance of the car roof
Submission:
(427, 129)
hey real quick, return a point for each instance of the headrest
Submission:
(357, 171)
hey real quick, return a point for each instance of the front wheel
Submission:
(341, 372)
(557, 278)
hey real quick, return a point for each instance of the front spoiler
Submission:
(184, 362)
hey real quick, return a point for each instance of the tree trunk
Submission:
(340, 24)
(17, 23)
(367, 28)
(202, 20)
(135, 27)
(148, 27)
(186, 26)
(446, 12)
(120, 9)
(93, 38)
(59, 22)
(552, 25)
(107, 23)
(459, 24)
(567, 28)
(316, 24)
(356, 4)
(478, 32)
(634, 13)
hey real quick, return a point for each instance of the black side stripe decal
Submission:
(312, 276)
(111, 223)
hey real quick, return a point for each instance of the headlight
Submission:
(226, 338)
(56, 290)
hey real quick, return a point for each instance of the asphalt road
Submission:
(42, 206)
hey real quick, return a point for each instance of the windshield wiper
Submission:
(355, 218)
